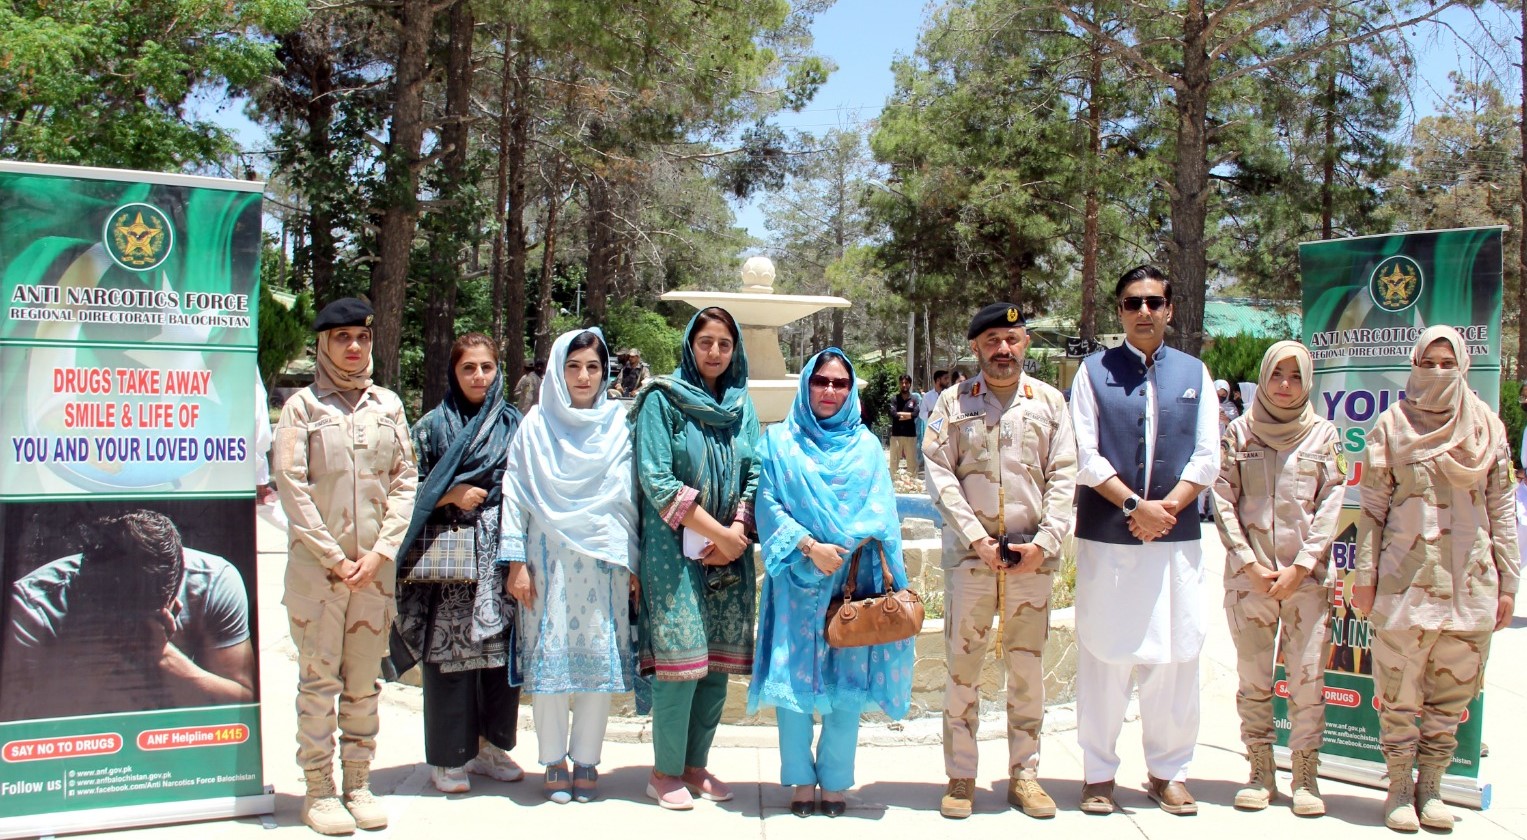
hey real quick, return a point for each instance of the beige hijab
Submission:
(1283, 428)
(1440, 419)
(330, 377)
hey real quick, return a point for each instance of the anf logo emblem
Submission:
(1395, 284)
(138, 236)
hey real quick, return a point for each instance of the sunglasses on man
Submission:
(1133, 304)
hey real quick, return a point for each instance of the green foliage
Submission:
(1512, 416)
(106, 83)
(283, 332)
(630, 325)
(1238, 358)
(881, 382)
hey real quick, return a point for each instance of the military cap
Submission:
(345, 312)
(995, 315)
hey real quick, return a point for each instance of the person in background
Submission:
(528, 389)
(904, 428)
(697, 475)
(461, 633)
(1279, 494)
(634, 373)
(1147, 439)
(569, 546)
(1004, 437)
(341, 441)
(925, 407)
(824, 492)
(940, 382)
(1438, 566)
(265, 494)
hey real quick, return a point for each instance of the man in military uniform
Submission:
(346, 472)
(1001, 464)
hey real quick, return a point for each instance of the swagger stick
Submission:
(1001, 543)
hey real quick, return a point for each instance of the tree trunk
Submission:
(318, 105)
(400, 214)
(1328, 161)
(1089, 325)
(1521, 234)
(1188, 258)
(452, 227)
(545, 312)
(514, 233)
(501, 196)
(603, 249)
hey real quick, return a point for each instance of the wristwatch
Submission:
(1130, 505)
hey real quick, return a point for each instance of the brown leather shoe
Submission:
(1173, 797)
(1097, 798)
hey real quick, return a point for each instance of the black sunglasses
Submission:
(820, 381)
(1133, 304)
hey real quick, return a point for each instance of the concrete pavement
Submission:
(899, 785)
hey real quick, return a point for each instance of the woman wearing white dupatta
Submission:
(569, 542)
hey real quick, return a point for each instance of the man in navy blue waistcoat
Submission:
(1147, 439)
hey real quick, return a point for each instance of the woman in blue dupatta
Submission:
(825, 489)
(696, 477)
(461, 632)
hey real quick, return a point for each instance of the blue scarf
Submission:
(713, 426)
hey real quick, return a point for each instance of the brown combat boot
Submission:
(1434, 812)
(1262, 787)
(1400, 804)
(364, 807)
(1025, 794)
(1307, 801)
(321, 808)
(957, 801)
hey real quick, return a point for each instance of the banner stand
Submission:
(139, 816)
(1458, 790)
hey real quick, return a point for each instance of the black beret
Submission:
(345, 312)
(995, 315)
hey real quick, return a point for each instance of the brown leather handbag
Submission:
(879, 619)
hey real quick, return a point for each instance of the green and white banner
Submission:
(1366, 300)
(129, 685)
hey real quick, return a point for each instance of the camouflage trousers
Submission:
(1433, 674)
(1296, 629)
(970, 603)
(341, 637)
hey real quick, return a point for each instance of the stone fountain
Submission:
(760, 313)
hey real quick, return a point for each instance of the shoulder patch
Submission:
(937, 425)
(1339, 453)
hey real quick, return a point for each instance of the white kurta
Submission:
(1141, 604)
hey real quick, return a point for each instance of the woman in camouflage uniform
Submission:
(346, 474)
(1278, 497)
(1437, 567)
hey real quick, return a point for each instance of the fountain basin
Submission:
(761, 310)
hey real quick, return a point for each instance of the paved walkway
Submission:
(899, 786)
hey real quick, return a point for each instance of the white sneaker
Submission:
(450, 779)
(493, 762)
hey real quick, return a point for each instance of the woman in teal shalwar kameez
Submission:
(825, 490)
(696, 470)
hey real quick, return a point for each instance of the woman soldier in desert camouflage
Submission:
(1437, 567)
(1278, 497)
